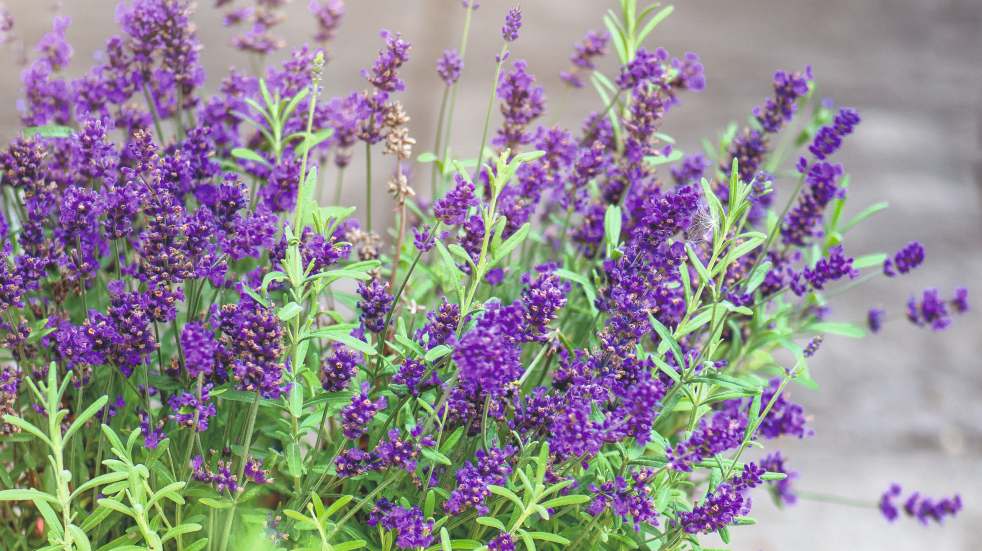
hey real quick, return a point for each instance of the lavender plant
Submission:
(586, 335)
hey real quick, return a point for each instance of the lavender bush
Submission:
(574, 342)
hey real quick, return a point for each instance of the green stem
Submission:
(368, 187)
(250, 426)
(487, 113)
(338, 186)
(436, 142)
(453, 89)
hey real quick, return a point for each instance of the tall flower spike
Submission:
(513, 22)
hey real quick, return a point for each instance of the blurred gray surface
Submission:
(903, 405)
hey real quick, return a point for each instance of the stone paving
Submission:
(901, 406)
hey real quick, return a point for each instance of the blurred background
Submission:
(903, 405)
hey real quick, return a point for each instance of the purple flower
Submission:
(411, 374)
(356, 416)
(221, 478)
(192, 412)
(646, 66)
(491, 467)
(828, 139)
(488, 356)
(252, 341)
(153, 434)
(254, 471)
(521, 103)
(374, 304)
(502, 542)
(781, 489)
(10, 377)
(631, 499)
(691, 170)
(513, 22)
(788, 88)
(353, 462)
(874, 319)
(593, 45)
(723, 505)
(831, 268)
(905, 260)
(930, 311)
(423, 238)
(452, 208)
(384, 73)
(413, 530)
(53, 47)
(821, 187)
(328, 14)
(449, 66)
(542, 299)
(917, 506)
(338, 368)
(960, 302)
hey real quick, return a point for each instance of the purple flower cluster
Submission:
(905, 260)
(220, 478)
(491, 467)
(828, 139)
(513, 23)
(338, 368)
(449, 66)
(452, 209)
(193, 411)
(356, 416)
(252, 341)
(593, 45)
(630, 500)
(917, 506)
(781, 489)
(521, 103)
(723, 505)
(413, 531)
(932, 310)
(375, 304)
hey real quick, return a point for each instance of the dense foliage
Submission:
(573, 343)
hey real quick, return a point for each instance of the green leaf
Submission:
(289, 311)
(700, 269)
(562, 501)
(25, 425)
(658, 160)
(506, 493)
(445, 539)
(186, 528)
(612, 225)
(492, 523)
(666, 339)
(869, 260)
(426, 157)
(837, 328)
(85, 416)
(349, 545)
(249, 155)
(435, 456)
(511, 243)
(550, 537)
(652, 23)
(436, 353)
(215, 504)
(49, 131)
(26, 495)
(588, 289)
(758, 275)
(863, 215)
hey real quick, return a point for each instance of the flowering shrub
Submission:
(575, 347)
